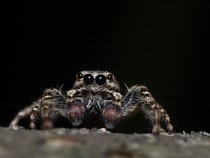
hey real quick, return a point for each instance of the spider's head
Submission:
(96, 80)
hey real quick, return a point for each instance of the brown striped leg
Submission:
(46, 121)
(52, 105)
(139, 98)
(22, 114)
(166, 119)
(33, 116)
(156, 120)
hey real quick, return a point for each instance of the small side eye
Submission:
(88, 79)
(110, 77)
(79, 75)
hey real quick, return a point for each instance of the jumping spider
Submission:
(95, 92)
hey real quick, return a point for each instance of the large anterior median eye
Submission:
(88, 79)
(100, 79)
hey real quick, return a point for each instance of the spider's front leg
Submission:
(52, 105)
(139, 98)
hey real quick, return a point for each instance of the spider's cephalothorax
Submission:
(95, 92)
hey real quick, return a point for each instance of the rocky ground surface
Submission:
(94, 143)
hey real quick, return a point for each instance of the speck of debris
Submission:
(62, 141)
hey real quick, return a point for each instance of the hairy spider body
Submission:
(95, 92)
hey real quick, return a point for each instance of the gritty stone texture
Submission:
(94, 143)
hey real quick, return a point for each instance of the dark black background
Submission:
(163, 45)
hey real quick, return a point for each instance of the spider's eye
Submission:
(109, 77)
(79, 75)
(88, 79)
(100, 79)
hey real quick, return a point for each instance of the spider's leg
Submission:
(139, 98)
(33, 115)
(52, 105)
(166, 119)
(24, 113)
(46, 121)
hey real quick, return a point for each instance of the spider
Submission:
(98, 92)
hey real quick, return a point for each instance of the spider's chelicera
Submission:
(95, 92)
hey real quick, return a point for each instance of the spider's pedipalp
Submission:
(84, 101)
(75, 112)
(138, 98)
(111, 115)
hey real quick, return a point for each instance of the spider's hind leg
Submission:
(138, 98)
(48, 107)
(31, 111)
